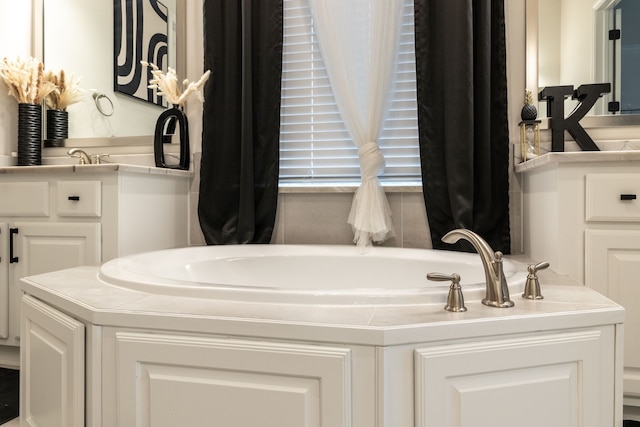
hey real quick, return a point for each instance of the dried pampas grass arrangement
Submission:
(67, 90)
(166, 85)
(25, 80)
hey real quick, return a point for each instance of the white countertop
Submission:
(79, 293)
(101, 168)
(555, 158)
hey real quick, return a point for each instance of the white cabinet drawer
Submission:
(613, 197)
(79, 198)
(24, 199)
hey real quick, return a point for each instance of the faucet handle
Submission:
(533, 268)
(532, 285)
(97, 158)
(455, 299)
(441, 277)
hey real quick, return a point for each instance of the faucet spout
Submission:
(497, 291)
(81, 154)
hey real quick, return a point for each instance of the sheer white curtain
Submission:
(358, 41)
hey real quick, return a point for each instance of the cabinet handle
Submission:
(12, 259)
(74, 198)
(627, 197)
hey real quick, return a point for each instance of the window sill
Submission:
(400, 187)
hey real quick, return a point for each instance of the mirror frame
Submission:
(37, 51)
(531, 68)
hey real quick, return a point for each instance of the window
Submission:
(314, 143)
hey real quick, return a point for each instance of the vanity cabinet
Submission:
(581, 213)
(59, 217)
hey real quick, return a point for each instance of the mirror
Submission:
(78, 36)
(567, 43)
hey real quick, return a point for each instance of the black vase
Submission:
(29, 134)
(57, 128)
(165, 128)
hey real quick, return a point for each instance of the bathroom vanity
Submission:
(581, 212)
(95, 354)
(62, 216)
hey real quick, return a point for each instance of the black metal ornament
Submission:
(587, 95)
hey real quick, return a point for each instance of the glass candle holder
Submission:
(529, 139)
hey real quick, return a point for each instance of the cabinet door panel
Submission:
(52, 374)
(45, 247)
(551, 380)
(166, 380)
(612, 261)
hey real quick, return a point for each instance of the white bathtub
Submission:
(304, 274)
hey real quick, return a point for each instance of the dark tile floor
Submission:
(9, 393)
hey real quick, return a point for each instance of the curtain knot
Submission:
(371, 160)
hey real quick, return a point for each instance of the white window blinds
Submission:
(314, 143)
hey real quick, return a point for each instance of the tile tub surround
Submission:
(318, 215)
(78, 292)
(391, 332)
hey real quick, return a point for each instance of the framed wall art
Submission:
(141, 33)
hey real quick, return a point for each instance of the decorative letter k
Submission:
(555, 96)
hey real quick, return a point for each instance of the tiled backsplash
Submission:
(321, 218)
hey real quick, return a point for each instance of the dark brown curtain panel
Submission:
(462, 118)
(241, 120)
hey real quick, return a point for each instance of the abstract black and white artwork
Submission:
(140, 34)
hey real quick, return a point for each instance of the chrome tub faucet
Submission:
(497, 292)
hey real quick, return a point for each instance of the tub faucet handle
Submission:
(455, 299)
(532, 285)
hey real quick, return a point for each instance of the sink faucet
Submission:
(497, 293)
(84, 157)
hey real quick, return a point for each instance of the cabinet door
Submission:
(558, 380)
(45, 247)
(166, 380)
(52, 362)
(612, 267)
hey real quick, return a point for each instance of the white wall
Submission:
(15, 40)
